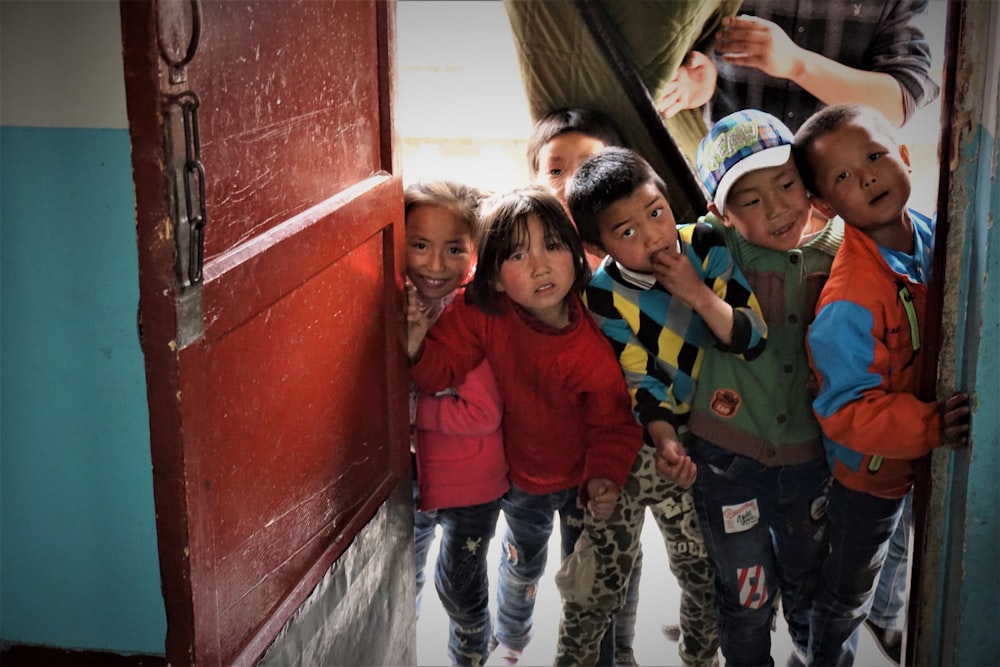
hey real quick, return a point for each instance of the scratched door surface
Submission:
(269, 224)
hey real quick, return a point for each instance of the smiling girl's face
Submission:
(439, 251)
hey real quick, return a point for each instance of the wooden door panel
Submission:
(289, 109)
(276, 261)
(276, 382)
(287, 455)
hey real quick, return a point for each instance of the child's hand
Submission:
(675, 272)
(671, 461)
(416, 321)
(602, 494)
(955, 421)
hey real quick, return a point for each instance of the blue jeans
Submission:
(889, 604)
(525, 552)
(424, 526)
(861, 526)
(461, 575)
(764, 528)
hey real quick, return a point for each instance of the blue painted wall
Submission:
(976, 543)
(78, 559)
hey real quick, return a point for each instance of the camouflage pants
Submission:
(593, 580)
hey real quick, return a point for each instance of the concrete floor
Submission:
(657, 605)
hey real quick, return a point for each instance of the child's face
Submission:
(559, 159)
(439, 251)
(769, 207)
(862, 175)
(633, 229)
(538, 275)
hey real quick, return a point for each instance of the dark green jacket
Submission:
(563, 66)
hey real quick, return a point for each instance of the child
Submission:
(662, 295)
(865, 349)
(459, 462)
(761, 487)
(568, 428)
(560, 141)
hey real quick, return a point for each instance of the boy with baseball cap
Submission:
(763, 478)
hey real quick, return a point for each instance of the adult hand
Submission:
(692, 86)
(748, 41)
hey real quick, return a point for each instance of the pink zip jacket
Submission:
(459, 444)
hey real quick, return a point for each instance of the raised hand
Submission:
(691, 86)
(417, 322)
(748, 41)
(676, 274)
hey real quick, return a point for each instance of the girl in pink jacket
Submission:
(457, 442)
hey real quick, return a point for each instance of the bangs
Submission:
(504, 232)
(554, 233)
(503, 239)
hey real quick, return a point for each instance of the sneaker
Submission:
(503, 655)
(672, 631)
(625, 657)
(889, 641)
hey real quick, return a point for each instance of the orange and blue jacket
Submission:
(864, 347)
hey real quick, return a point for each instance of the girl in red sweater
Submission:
(569, 432)
(461, 470)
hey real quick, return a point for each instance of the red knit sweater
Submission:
(567, 414)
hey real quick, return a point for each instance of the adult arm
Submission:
(897, 81)
(749, 41)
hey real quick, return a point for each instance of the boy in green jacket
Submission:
(762, 477)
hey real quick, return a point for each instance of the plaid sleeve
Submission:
(900, 49)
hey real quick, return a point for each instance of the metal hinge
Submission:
(179, 31)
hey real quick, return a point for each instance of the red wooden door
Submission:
(269, 223)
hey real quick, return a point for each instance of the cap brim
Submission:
(769, 157)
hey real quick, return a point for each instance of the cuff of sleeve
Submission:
(740, 334)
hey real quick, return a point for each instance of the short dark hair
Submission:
(504, 225)
(825, 121)
(603, 179)
(590, 122)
